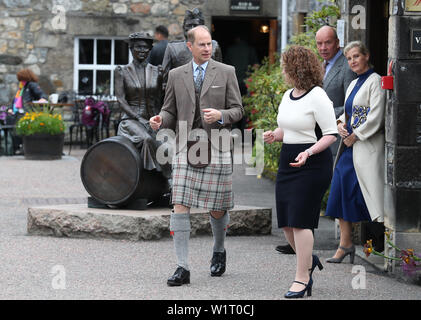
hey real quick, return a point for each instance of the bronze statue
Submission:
(138, 88)
(177, 53)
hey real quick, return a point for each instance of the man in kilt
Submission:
(202, 97)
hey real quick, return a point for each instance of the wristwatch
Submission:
(309, 151)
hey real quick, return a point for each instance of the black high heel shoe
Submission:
(316, 263)
(300, 294)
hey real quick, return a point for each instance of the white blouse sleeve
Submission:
(324, 113)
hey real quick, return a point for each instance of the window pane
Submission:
(85, 82)
(103, 83)
(121, 52)
(103, 55)
(86, 51)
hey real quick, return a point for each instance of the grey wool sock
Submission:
(219, 230)
(180, 230)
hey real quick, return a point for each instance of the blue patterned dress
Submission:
(346, 200)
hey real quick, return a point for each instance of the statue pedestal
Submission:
(79, 221)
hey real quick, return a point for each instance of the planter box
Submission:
(43, 146)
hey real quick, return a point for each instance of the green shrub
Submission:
(266, 88)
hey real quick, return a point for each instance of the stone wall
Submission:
(39, 34)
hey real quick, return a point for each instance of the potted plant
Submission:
(43, 133)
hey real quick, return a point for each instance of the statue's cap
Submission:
(137, 36)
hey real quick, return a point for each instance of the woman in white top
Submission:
(307, 127)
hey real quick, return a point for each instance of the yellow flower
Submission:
(368, 248)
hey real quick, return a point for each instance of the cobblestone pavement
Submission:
(33, 267)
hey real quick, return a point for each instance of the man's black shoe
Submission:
(218, 262)
(181, 276)
(287, 249)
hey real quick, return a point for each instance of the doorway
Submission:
(257, 32)
(378, 33)
(377, 41)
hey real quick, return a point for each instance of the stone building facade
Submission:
(74, 45)
(40, 34)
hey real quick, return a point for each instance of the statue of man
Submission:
(138, 88)
(177, 53)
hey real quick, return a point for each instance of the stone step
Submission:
(79, 221)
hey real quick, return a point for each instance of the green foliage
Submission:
(266, 88)
(326, 16)
(40, 120)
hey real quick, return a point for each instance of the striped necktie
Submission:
(325, 64)
(199, 79)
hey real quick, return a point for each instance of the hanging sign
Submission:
(413, 5)
(415, 40)
(243, 5)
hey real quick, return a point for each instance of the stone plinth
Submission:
(79, 221)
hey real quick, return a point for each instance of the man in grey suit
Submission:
(338, 75)
(202, 95)
(336, 80)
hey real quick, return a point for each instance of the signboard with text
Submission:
(413, 5)
(245, 6)
(415, 40)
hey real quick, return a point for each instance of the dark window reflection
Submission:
(86, 51)
(103, 55)
(85, 82)
(103, 82)
(121, 52)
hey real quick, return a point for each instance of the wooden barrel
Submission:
(112, 173)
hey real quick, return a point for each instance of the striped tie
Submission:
(199, 79)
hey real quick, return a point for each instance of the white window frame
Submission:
(94, 66)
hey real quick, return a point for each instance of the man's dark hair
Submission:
(162, 30)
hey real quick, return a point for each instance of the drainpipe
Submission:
(284, 29)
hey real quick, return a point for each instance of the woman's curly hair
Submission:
(27, 75)
(303, 68)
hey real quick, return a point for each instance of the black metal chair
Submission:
(98, 129)
(6, 133)
(102, 128)
(115, 116)
(78, 126)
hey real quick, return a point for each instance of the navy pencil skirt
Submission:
(299, 191)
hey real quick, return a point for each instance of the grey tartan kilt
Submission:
(208, 188)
